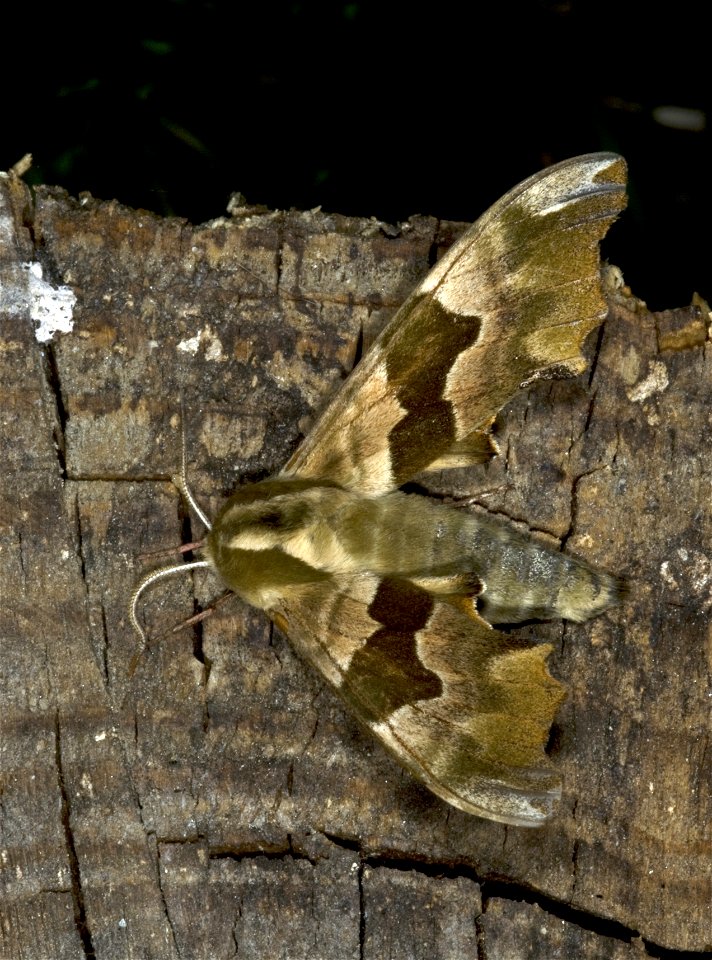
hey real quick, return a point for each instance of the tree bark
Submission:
(211, 797)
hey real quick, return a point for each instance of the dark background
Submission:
(371, 108)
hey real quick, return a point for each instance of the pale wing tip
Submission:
(571, 182)
(505, 804)
(596, 166)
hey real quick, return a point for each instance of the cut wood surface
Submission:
(210, 797)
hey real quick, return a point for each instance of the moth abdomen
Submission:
(527, 579)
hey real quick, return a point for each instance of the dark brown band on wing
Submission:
(418, 362)
(387, 670)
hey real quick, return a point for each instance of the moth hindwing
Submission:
(392, 596)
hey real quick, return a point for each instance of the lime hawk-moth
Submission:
(392, 596)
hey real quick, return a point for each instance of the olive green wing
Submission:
(511, 301)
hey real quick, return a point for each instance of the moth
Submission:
(392, 596)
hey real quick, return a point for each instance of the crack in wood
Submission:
(80, 914)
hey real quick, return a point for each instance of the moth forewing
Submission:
(515, 297)
(391, 596)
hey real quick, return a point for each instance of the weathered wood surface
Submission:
(218, 801)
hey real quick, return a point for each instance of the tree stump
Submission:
(210, 797)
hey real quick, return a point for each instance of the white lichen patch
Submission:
(206, 338)
(23, 291)
(191, 346)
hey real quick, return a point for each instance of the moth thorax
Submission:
(255, 541)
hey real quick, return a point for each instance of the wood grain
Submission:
(219, 796)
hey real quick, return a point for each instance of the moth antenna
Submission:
(181, 481)
(151, 578)
(182, 485)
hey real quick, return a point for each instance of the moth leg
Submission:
(203, 614)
